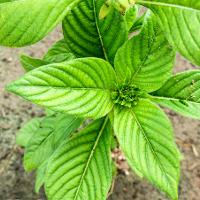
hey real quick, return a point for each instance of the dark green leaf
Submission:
(86, 35)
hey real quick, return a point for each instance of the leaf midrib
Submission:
(148, 54)
(173, 99)
(63, 87)
(98, 30)
(90, 157)
(168, 5)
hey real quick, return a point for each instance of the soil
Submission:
(15, 183)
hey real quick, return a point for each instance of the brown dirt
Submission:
(14, 112)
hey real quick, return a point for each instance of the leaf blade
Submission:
(88, 36)
(47, 138)
(181, 94)
(81, 87)
(146, 60)
(82, 177)
(26, 132)
(59, 52)
(20, 27)
(180, 21)
(145, 136)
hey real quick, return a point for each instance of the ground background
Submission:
(14, 112)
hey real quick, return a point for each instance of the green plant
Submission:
(96, 71)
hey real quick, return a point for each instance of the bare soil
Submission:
(14, 112)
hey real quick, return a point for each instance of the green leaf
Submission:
(27, 131)
(48, 137)
(30, 63)
(82, 168)
(26, 22)
(86, 35)
(81, 87)
(181, 93)
(130, 16)
(146, 60)
(145, 136)
(59, 52)
(138, 23)
(40, 176)
(180, 20)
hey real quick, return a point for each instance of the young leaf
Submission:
(145, 136)
(130, 16)
(146, 60)
(81, 87)
(30, 63)
(180, 20)
(26, 22)
(82, 168)
(48, 137)
(27, 131)
(86, 35)
(181, 93)
(59, 52)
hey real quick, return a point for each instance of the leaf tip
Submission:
(11, 87)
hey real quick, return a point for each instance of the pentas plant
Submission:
(97, 72)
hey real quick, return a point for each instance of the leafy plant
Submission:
(96, 71)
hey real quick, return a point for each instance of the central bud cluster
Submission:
(127, 95)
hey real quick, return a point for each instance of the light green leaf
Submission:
(145, 136)
(180, 20)
(25, 22)
(81, 87)
(82, 168)
(40, 176)
(130, 16)
(87, 35)
(48, 137)
(181, 93)
(27, 131)
(59, 52)
(146, 60)
(30, 63)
